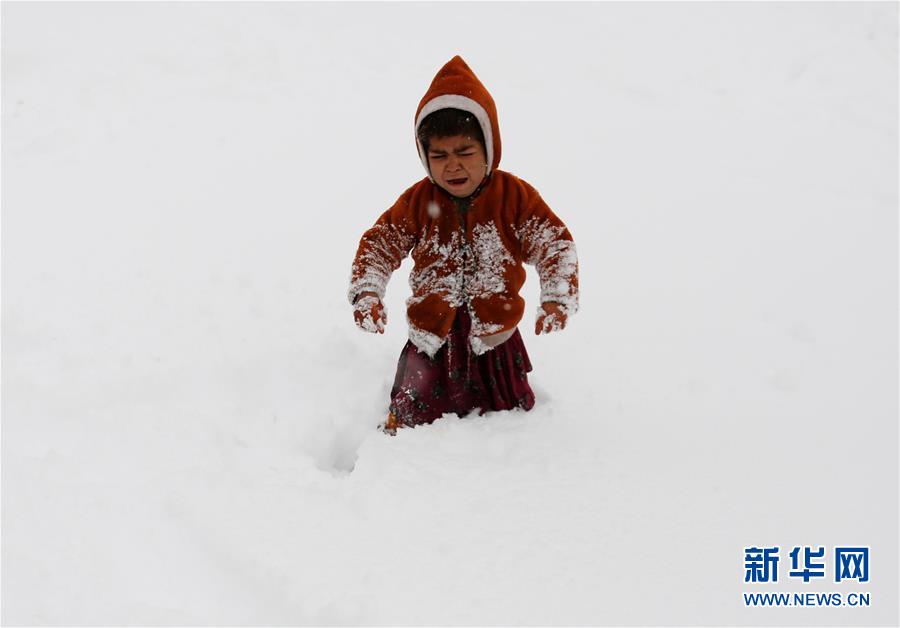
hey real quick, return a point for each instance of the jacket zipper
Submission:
(466, 251)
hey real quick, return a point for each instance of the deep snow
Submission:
(188, 410)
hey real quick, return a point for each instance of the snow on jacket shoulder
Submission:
(477, 260)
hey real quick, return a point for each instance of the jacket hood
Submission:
(455, 86)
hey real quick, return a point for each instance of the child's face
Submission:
(457, 163)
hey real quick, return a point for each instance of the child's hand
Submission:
(551, 317)
(369, 313)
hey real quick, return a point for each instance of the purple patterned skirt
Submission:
(457, 380)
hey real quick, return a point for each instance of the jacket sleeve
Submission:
(547, 244)
(382, 249)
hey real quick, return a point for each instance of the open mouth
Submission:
(457, 181)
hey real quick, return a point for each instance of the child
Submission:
(469, 227)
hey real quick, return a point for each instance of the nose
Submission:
(453, 163)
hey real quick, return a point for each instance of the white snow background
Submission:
(189, 412)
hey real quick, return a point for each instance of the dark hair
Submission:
(449, 122)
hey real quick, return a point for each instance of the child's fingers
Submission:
(379, 315)
(547, 323)
(559, 322)
(370, 315)
(378, 319)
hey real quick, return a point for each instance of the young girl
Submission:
(469, 227)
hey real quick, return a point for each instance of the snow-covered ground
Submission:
(188, 410)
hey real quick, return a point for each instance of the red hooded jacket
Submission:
(508, 223)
